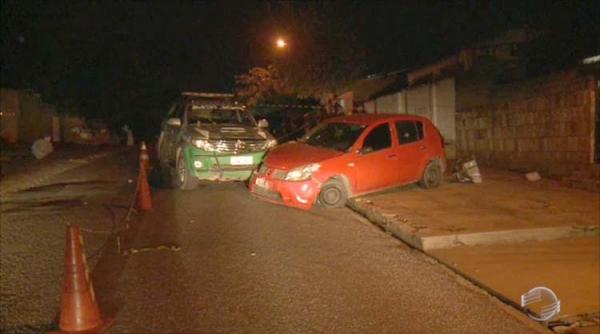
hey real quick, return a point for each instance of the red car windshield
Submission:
(334, 136)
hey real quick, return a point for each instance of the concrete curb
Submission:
(21, 182)
(410, 235)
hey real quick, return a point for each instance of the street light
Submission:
(281, 43)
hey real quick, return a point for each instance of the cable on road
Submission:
(116, 227)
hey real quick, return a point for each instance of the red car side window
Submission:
(409, 131)
(378, 139)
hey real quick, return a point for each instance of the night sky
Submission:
(127, 59)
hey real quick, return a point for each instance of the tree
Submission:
(260, 83)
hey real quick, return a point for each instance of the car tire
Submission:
(432, 176)
(159, 148)
(164, 176)
(183, 178)
(333, 194)
(165, 173)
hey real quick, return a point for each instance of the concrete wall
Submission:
(444, 109)
(435, 101)
(9, 111)
(35, 118)
(545, 124)
(25, 117)
(370, 107)
(419, 101)
(388, 104)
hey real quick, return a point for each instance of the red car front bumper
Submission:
(298, 194)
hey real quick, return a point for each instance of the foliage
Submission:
(259, 84)
(283, 102)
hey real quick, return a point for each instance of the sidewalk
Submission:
(20, 170)
(569, 267)
(506, 234)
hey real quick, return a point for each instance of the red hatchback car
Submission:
(349, 156)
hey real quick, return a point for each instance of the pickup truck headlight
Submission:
(271, 143)
(302, 173)
(204, 145)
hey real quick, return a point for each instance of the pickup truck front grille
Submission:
(239, 146)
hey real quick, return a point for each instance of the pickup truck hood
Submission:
(221, 131)
(292, 155)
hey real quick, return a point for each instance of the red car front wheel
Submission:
(333, 194)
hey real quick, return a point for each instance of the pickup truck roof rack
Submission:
(207, 95)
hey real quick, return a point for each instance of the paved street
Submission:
(459, 159)
(217, 260)
(249, 266)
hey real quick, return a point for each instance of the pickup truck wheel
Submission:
(333, 194)
(160, 149)
(432, 176)
(184, 179)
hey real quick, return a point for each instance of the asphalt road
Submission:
(217, 260)
(54, 194)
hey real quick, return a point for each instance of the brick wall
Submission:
(544, 124)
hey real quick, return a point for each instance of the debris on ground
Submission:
(41, 148)
(172, 247)
(469, 172)
(533, 176)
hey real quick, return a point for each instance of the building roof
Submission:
(363, 89)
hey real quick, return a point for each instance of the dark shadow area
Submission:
(160, 177)
(48, 205)
(111, 263)
(143, 258)
(62, 185)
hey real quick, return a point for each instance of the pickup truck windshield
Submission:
(334, 136)
(221, 116)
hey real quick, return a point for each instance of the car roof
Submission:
(368, 119)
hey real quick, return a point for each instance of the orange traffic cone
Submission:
(144, 157)
(143, 199)
(79, 311)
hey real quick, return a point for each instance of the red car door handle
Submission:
(392, 156)
(422, 148)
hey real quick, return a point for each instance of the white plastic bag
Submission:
(41, 148)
